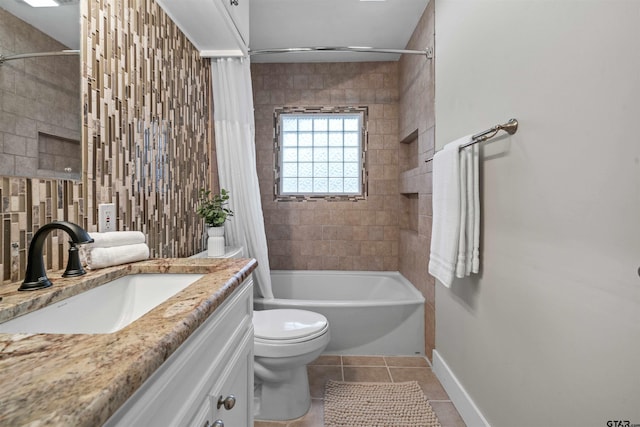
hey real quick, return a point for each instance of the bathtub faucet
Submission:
(36, 275)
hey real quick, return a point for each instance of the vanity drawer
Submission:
(173, 394)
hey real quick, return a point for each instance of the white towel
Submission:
(116, 238)
(455, 239)
(469, 238)
(107, 257)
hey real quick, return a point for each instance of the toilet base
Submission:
(284, 400)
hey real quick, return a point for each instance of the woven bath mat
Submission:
(377, 405)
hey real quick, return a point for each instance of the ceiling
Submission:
(280, 24)
(313, 23)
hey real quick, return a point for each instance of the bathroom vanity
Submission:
(183, 363)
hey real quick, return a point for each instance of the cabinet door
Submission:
(238, 384)
(235, 384)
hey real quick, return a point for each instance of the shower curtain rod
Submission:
(428, 52)
(37, 54)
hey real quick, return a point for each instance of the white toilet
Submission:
(285, 341)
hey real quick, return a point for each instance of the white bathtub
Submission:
(369, 313)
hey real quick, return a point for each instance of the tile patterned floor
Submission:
(371, 369)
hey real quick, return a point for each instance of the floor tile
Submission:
(372, 374)
(425, 377)
(363, 360)
(447, 414)
(257, 423)
(400, 361)
(313, 418)
(319, 375)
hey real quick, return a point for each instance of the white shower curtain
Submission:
(235, 146)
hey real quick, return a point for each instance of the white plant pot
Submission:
(215, 242)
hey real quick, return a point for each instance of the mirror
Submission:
(40, 112)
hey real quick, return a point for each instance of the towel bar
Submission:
(510, 127)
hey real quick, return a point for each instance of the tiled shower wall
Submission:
(38, 96)
(146, 95)
(416, 133)
(332, 235)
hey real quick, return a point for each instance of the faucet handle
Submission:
(74, 266)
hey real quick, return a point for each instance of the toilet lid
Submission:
(288, 324)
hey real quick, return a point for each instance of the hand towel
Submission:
(475, 246)
(445, 237)
(116, 238)
(469, 240)
(107, 257)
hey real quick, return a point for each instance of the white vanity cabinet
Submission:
(215, 364)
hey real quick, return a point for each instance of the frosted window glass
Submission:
(320, 124)
(335, 170)
(351, 124)
(320, 170)
(305, 139)
(320, 139)
(289, 170)
(335, 154)
(305, 124)
(305, 185)
(335, 124)
(351, 139)
(289, 185)
(289, 124)
(290, 139)
(305, 170)
(321, 185)
(289, 154)
(320, 154)
(351, 154)
(305, 155)
(335, 185)
(335, 139)
(351, 170)
(351, 185)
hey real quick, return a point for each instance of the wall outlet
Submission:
(106, 217)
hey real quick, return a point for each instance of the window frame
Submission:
(279, 194)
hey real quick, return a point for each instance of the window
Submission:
(320, 153)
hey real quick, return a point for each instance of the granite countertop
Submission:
(82, 379)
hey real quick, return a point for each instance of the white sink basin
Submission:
(104, 309)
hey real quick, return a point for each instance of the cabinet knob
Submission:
(218, 423)
(228, 402)
(234, 2)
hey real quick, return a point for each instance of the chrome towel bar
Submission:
(510, 127)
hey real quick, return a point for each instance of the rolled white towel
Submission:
(116, 238)
(107, 257)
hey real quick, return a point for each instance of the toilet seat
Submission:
(288, 325)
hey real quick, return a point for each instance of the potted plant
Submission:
(213, 210)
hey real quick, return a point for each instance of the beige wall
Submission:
(548, 333)
(163, 101)
(338, 235)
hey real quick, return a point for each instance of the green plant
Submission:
(212, 208)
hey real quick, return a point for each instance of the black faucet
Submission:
(36, 275)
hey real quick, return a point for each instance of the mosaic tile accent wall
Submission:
(332, 235)
(416, 133)
(147, 140)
